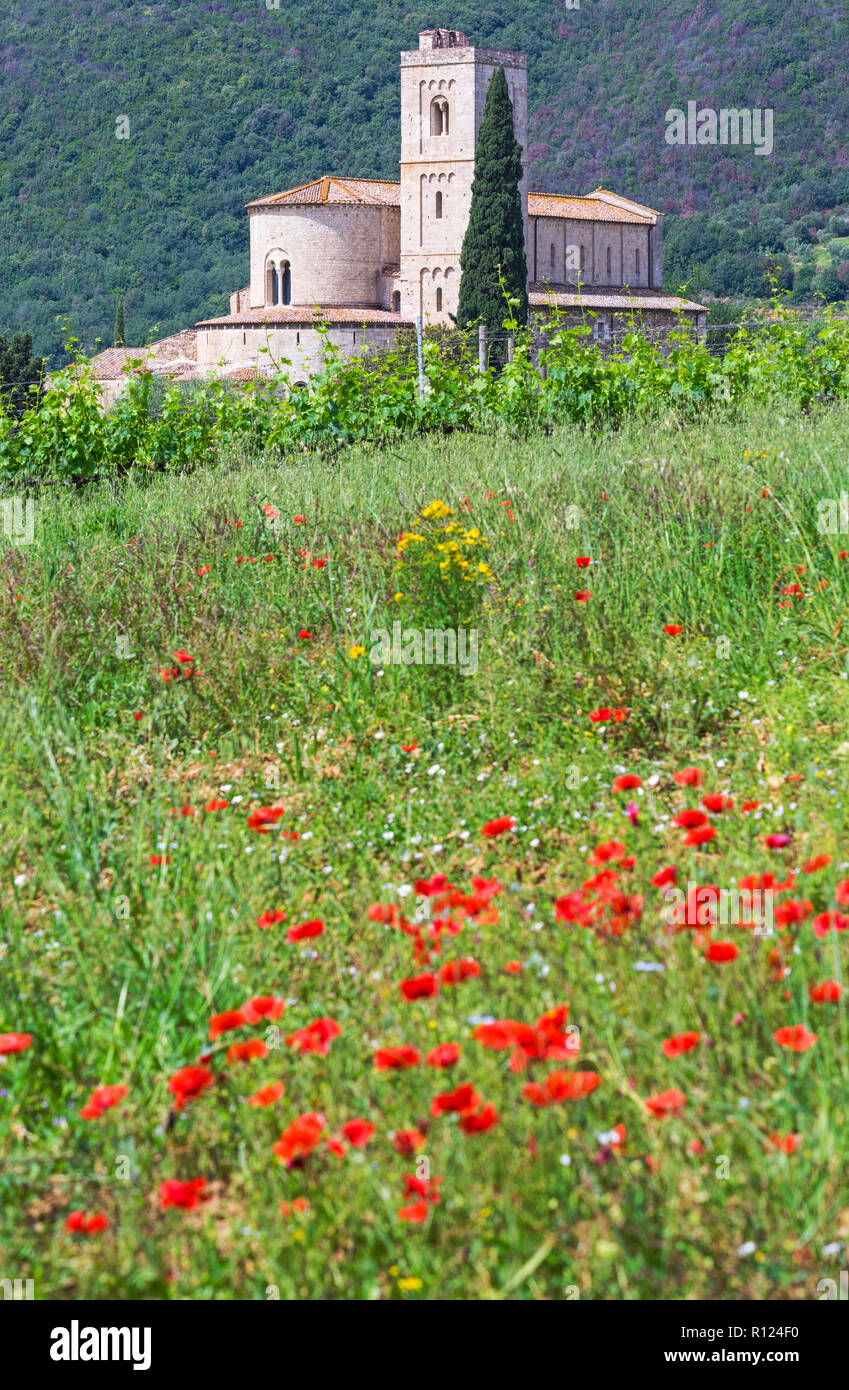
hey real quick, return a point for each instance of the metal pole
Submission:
(420, 355)
(482, 347)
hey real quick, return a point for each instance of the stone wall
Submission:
(230, 348)
(336, 251)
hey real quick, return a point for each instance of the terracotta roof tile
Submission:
(380, 192)
(330, 189)
(582, 209)
(625, 299)
(307, 313)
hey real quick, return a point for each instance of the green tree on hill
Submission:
(19, 371)
(119, 323)
(495, 235)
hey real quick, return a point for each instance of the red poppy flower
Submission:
(778, 841)
(86, 1224)
(825, 922)
(246, 1051)
(627, 782)
(453, 972)
(750, 806)
(416, 1212)
(716, 803)
(431, 887)
(688, 777)
(827, 993)
(419, 987)
(513, 967)
(582, 595)
(316, 1037)
(428, 1188)
(409, 747)
(267, 1095)
(185, 1195)
(396, 1058)
(102, 1098)
(785, 1143)
(690, 819)
(795, 1037)
(582, 561)
(304, 635)
(672, 629)
(812, 866)
(301, 1137)
(271, 917)
(499, 826)
(600, 715)
(462, 1098)
(561, 1085)
(666, 1103)
(188, 1083)
(15, 1042)
(357, 1132)
(306, 931)
(485, 1118)
(445, 1055)
(702, 835)
(299, 1205)
(224, 1023)
(722, 951)
(678, 1043)
(264, 818)
(664, 876)
(216, 805)
(407, 1142)
(157, 860)
(607, 851)
(264, 1006)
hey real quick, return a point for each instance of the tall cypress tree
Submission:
(495, 235)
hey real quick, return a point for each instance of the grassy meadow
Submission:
(424, 1028)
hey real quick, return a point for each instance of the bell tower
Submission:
(443, 88)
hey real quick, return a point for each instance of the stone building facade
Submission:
(365, 257)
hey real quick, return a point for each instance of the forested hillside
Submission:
(224, 100)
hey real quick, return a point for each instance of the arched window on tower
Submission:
(439, 205)
(271, 284)
(609, 271)
(439, 301)
(439, 116)
(396, 302)
(285, 283)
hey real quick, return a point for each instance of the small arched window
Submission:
(439, 301)
(274, 286)
(439, 116)
(552, 258)
(285, 283)
(609, 258)
(396, 302)
(439, 205)
(637, 263)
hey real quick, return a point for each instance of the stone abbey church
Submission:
(367, 257)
